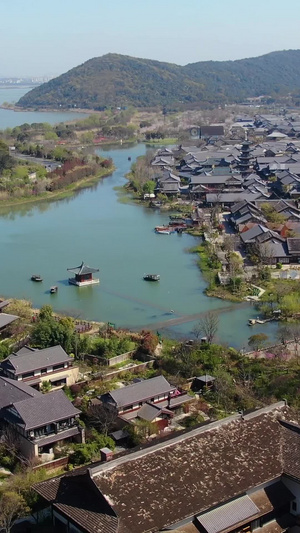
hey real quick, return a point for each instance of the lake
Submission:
(11, 119)
(119, 239)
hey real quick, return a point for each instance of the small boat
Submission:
(151, 277)
(36, 277)
(163, 231)
(53, 289)
(129, 158)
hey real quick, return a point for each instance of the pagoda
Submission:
(83, 275)
(245, 160)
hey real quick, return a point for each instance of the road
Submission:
(48, 163)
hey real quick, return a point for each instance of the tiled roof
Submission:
(293, 245)
(149, 412)
(211, 465)
(12, 391)
(47, 408)
(141, 391)
(28, 360)
(6, 319)
(78, 498)
(83, 269)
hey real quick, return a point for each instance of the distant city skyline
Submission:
(41, 41)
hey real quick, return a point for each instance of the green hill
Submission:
(117, 80)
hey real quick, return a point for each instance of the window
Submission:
(59, 382)
(44, 371)
(28, 375)
(58, 367)
(294, 506)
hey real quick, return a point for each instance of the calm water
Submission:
(119, 240)
(11, 119)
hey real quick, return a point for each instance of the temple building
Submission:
(83, 275)
(245, 159)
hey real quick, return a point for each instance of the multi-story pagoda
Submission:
(83, 275)
(245, 159)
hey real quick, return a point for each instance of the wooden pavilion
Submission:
(83, 275)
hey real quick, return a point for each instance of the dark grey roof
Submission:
(207, 179)
(274, 249)
(228, 515)
(149, 412)
(232, 197)
(47, 408)
(25, 349)
(12, 391)
(252, 233)
(141, 391)
(27, 360)
(119, 434)
(293, 245)
(83, 269)
(4, 303)
(212, 130)
(70, 432)
(77, 497)
(6, 319)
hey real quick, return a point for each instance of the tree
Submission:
(148, 187)
(46, 312)
(50, 332)
(208, 326)
(284, 334)
(258, 340)
(102, 418)
(272, 215)
(46, 386)
(12, 507)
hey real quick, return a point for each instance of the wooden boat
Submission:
(36, 277)
(151, 277)
(53, 289)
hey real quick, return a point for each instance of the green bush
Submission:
(85, 453)
(279, 266)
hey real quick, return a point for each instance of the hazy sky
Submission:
(39, 37)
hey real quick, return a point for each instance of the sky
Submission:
(40, 38)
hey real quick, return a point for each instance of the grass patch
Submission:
(167, 140)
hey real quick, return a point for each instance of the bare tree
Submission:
(284, 334)
(102, 418)
(207, 326)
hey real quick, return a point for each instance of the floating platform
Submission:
(74, 281)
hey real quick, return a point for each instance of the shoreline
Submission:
(14, 107)
(59, 195)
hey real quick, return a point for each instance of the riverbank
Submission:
(60, 194)
(17, 109)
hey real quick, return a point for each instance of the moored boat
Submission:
(164, 231)
(53, 289)
(151, 277)
(36, 277)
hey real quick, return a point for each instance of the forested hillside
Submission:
(117, 80)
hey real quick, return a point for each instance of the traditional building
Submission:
(235, 475)
(35, 366)
(39, 421)
(245, 159)
(83, 275)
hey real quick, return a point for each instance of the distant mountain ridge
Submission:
(118, 80)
